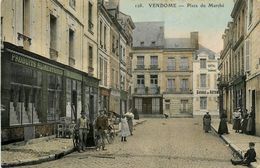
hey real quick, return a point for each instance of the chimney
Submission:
(194, 37)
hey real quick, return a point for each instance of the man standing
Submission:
(83, 127)
(101, 125)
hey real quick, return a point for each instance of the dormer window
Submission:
(142, 43)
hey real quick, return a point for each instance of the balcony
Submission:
(140, 67)
(223, 80)
(184, 68)
(185, 90)
(140, 90)
(24, 38)
(154, 90)
(53, 54)
(170, 90)
(147, 90)
(154, 67)
(171, 68)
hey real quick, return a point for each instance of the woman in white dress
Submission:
(124, 129)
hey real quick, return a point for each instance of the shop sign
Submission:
(207, 92)
(73, 75)
(35, 64)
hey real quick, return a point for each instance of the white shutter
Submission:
(247, 54)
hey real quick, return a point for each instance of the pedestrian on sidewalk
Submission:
(250, 156)
(207, 122)
(251, 123)
(130, 116)
(223, 129)
(244, 122)
(124, 129)
(236, 120)
(83, 127)
(101, 125)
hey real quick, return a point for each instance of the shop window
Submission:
(25, 93)
(54, 97)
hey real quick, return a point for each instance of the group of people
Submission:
(244, 122)
(101, 125)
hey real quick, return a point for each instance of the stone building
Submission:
(104, 55)
(162, 71)
(252, 60)
(205, 73)
(121, 44)
(239, 81)
(49, 65)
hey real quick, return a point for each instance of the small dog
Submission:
(166, 116)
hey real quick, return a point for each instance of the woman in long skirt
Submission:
(223, 129)
(124, 129)
(207, 122)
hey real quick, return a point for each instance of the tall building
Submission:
(252, 60)
(121, 42)
(205, 74)
(162, 71)
(49, 65)
(104, 55)
(239, 81)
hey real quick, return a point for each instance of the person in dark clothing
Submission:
(223, 129)
(244, 122)
(249, 156)
(207, 122)
(251, 123)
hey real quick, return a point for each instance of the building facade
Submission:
(104, 25)
(205, 74)
(162, 71)
(49, 65)
(252, 60)
(239, 81)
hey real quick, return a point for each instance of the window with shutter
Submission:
(247, 54)
(209, 80)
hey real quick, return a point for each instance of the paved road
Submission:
(157, 143)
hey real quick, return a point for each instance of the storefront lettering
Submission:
(24, 61)
(207, 92)
(35, 64)
(73, 75)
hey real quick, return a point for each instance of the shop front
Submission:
(36, 93)
(104, 95)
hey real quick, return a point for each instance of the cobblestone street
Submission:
(157, 143)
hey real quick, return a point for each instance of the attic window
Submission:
(142, 43)
(153, 42)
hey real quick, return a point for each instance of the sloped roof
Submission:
(202, 49)
(177, 43)
(148, 32)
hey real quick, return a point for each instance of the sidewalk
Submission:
(38, 150)
(239, 142)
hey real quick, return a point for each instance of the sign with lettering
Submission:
(35, 64)
(207, 91)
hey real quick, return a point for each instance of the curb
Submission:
(234, 148)
(47, 158)
(38, 160)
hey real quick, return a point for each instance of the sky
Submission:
(179, 21)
